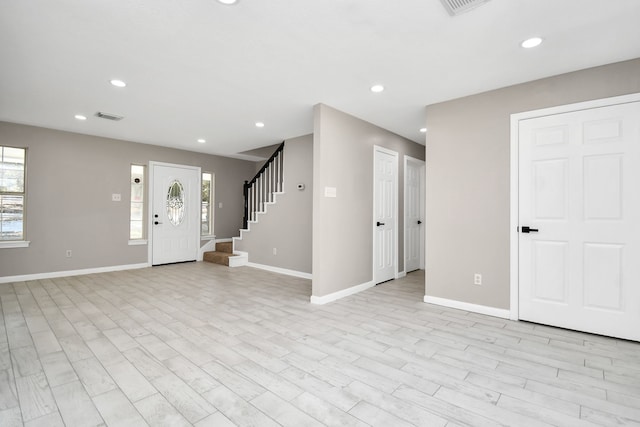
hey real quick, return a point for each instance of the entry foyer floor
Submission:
(205, 345)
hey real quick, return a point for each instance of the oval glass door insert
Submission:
(175, 203)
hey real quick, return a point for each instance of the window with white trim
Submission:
(137, 217)
(12, 193)
(206, 222)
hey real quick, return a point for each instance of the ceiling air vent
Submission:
(109, 116)
(456, 7)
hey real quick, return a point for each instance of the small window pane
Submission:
(175, 203)
(206, 217)
(11, 217)
(12, 170)
(135, 231)
(137, 207)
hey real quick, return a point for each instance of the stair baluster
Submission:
(264, 184)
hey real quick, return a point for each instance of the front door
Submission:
(385, 214)
(175, 213)
(579, 208)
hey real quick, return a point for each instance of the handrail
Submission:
(259, 190)
(266, 165)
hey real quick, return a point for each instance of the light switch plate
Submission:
(330, 192)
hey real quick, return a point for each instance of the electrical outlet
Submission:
(275, 251)
(116, 197)
(68, 254)
(477, 279)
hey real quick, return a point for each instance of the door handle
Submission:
(378, 224)
(526, 229)
(419, 222)
(156, 222)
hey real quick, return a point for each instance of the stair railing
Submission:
(261, 188)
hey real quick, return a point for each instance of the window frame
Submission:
(142, 240)
(211, 210)
(22, 242)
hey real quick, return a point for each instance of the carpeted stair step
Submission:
(217, 257)
(226, 247)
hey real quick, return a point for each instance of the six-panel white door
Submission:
(414, 214)
(579, 186)
(175, 221)
(384, 218)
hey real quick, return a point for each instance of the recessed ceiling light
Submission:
(423, 130)
(202, 141)
(80, 117)
(118, 83)
(532, 42)
(377, 88)
(228, 1)
(259, 124)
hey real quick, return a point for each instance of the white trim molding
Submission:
(341, 294)
(10, 244)
(473, 308)
(279, 270)
(69, 273)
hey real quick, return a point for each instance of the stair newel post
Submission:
(245, 192)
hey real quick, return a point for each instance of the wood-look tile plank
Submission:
(237, 409)
(117, 410)
(93, 376)
(75, 405)
(11, 417)
(377, 417)
(51, 420)
(186, 400)
(35, 396)
(324, 412)
(157, 411)
(130, 380)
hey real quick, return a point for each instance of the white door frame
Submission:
(152, 165)
(515, 165)
(423, 208)
(395, 210)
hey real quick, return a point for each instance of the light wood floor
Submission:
(205, 345)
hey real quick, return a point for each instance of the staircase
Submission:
(222, 254)
(258, 193)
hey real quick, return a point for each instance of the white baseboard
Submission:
(341, 294)
(474, 308)
(401, 274)
(285, 271)
(68, 273)
(239, 259)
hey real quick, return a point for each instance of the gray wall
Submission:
(287, 224)
(70, 179)
(343, 226)
(467, 188)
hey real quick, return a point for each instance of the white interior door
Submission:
(175, 223)
(385, 214)
(414, 172)
(579, 192)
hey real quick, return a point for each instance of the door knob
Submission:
(156, 222)
(378, 224)
(419, 222)
(527, 229)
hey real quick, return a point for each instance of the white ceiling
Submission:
(200, 69)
